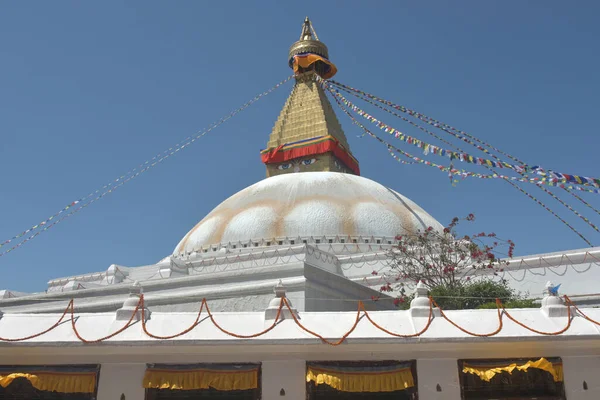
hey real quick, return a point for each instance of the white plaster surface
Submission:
(371, 218)
(328, 324)
(314, 216)
(254, 222)
(310, 203)
(117, 379)
(577, 370)
(288, 375)
(433, 372)
(210, 226)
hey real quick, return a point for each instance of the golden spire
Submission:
(307, 136)
(307, 44)
(306, 30)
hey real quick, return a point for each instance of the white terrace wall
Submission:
(126, 379)
(288, 375)
(283, 366)
(578, 370)
(121, 379)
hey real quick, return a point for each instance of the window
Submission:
(292, 241)
(318, 241)
(21, 388)
(342, 240)
(378, 241)
(351, 374)
(208, 394)
(249, 392)
(280, 242)
(540, 379)
(330, 240)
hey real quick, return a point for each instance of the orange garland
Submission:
(498, 305)
(571, 304)
(41, 333)
(70, 309)
(197, 321)
(139, 304)
(542, 332)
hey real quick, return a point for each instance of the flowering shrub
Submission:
(447, 263)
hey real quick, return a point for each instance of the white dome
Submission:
(308, 204)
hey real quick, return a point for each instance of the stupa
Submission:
(311, 232)
(313, 219)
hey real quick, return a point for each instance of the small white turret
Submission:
(552, 304)
(419, 306)
(273, 308)
(130, 304)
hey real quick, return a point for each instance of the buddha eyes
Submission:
(294, 162)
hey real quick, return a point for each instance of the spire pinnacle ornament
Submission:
(309, 54)
(307, 136)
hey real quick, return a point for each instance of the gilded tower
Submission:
(307, 136)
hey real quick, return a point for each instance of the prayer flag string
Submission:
(552, 175)
(431, 121)
(427, 148)
(120, 181)
(358, 95)
(449, 169)
(402, 117)
(582, 200)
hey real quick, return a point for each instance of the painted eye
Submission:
(285, 166)
(309, 161)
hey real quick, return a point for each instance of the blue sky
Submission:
(90, 90)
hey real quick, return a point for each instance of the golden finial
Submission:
(309, 42)
(306, 31)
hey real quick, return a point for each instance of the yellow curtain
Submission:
(487, 372)
(62, 382)
(185, 379)
(362, 381)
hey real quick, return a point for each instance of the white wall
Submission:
(577, 280)
(287, 375)
(576, 371)
(283, 366)
(117, 379)
(433, 372)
